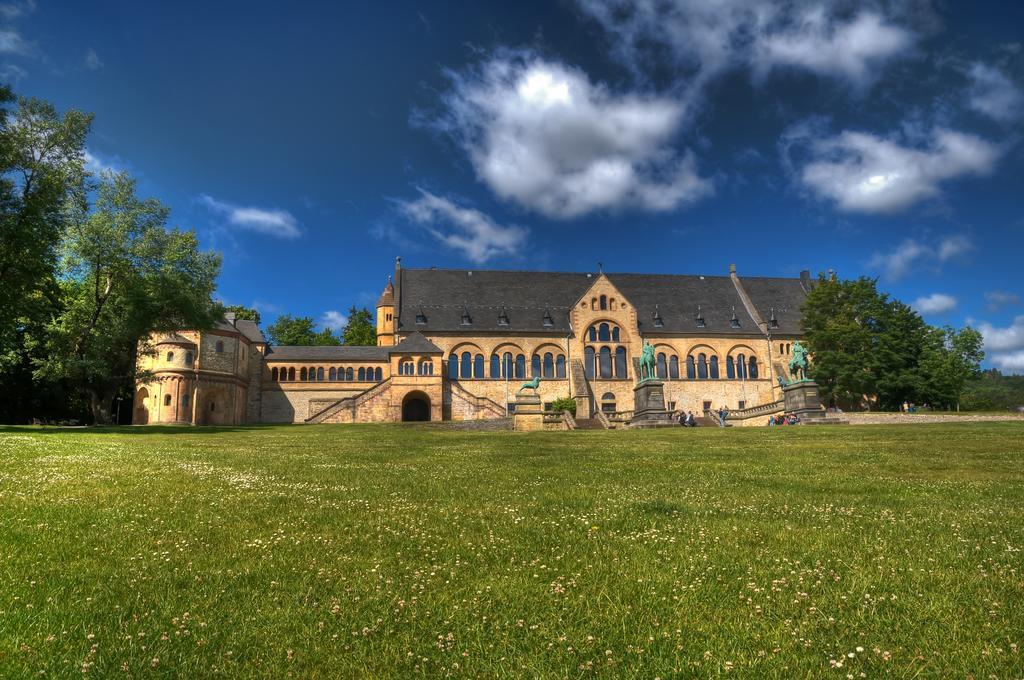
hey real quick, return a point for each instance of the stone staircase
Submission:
(351, 404)
(484, 405)
(589, 424)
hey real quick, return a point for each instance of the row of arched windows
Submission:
(602, 302)
(332, 374)
(603, 332)
(409, 367)
(188, 358)
(703, 367)
(469, 366)
(605, 362)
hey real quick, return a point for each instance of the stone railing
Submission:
(746, 413)
(563, 418)
(601, 417)
(495, 409)
(352, 402)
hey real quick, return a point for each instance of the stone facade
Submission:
(455, 347)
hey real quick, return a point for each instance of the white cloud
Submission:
(15, 10)
(92, 61)
(97, 165)
(936, 303)
(998, 299)
(541, 134)
(469, 231)
(269, 221)
(11, 42)
(862, 172)
(992, 94)
(12, 73)
(897, 263)
(1004, 346)
(705, 39)
(334, 320)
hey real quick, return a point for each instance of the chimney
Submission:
(229, 317)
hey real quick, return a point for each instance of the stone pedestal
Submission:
(804, 399)
(649, 405)
(529, 413)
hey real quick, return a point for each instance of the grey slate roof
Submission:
(175, 339)
(326, 353)
(247, 328)
(444, 295)
(417, 343)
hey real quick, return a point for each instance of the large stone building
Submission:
(455, 344)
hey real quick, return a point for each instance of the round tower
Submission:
(386, 320)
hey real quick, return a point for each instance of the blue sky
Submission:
(312, 144)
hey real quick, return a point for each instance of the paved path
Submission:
(918, 418)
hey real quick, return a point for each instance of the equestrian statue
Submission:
(648, 364)
(799, 364)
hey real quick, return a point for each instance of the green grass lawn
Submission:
(329, 551)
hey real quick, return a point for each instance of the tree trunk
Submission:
(99, 403)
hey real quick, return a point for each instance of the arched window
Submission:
(730, 368)
(273, 373)
(478, 366)
(603, 333)
(466, 367)
(593, 303)
(615, 334)
(291, 373)
(741, 367)
(506, 365)
(560, 366)
(662, 366)
(782, 348)
(302, 374)
(453, 366)
(219, 346)
(332, 374)
(426, 367)
(608, 402)
(673, 367)
(620, 362)
(349, 373)
(549, 365)
(495, 367)
(520, 366)
(312, 373)
(320, 374)
(592, 333)
(611, 304)
(378, 373)
(714, 367)
(604, 302)
(691, 369)
(702, 366)
(167, 400)
(588, 362)
(606, 362)
(170, 357)
(753, 368)
(535, 366)
(189, 358)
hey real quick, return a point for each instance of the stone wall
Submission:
(295, 402)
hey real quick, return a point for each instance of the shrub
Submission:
(564, 404)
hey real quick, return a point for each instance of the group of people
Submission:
(791, 419)
(686, 419)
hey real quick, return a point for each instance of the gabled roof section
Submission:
(785, 296)
(244, 326)
(175, 339)
(326, 353)
(416, 343)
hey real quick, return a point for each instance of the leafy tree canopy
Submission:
(360, 329)
(299, 330)
(243, 312)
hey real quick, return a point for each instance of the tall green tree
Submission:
(41, 181)
(124, 274)
(952, 360)
(299, 330)
(360, 329)
(243, 312)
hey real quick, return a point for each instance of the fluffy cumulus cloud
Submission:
(465, 230)
(936, 303)
(706, 39)
(994, 95)
(98, 165)
(912, 253)
(269, 221)
(1004, 346)
(542, 135)
(866, 173)
(334, 320)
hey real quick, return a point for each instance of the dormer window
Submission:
(503, 318)
(548, 321)
(734, 321)
(421, 318)
(701, 323)
(467, 320)
(658, 321)
(773, 322)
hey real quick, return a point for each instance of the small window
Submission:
(467, 320)
(219, 347)
(742, 404)
(604, 302)
(213, 406)
(167, 400)
(503, 318)
(548, 321)
(421, 318)
(189, 358)
(184, 401)
(273, 373)
(170, 357)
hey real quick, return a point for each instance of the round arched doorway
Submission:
(416, 407)
(141, 416)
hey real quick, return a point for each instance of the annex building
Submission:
(455, 344)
